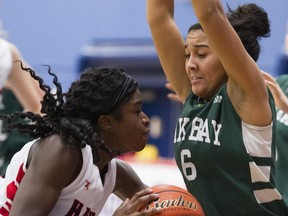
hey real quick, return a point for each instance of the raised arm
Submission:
(281, 100)
(23, 85)
(169, 44)
(246, 87)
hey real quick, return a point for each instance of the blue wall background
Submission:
(53, 32)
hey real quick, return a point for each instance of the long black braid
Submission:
(74, 115)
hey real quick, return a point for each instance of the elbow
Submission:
(150, 20)
(153, 19)
(158, 12)
(208, 13)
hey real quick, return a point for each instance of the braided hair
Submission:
(74, 115)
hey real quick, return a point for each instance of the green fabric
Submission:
(282, 144)
(211, 155)
(10, 142)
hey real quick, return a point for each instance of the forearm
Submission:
(127, 182)
(159, 11)
(281, 101)
(205, 9)
(169, 44)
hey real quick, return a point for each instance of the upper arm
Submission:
(52, 167)
(169, 44)
(23, 85)
(127, 182)
(243, 72)
(281, 100)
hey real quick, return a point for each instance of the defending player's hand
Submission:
(131, 207)
(281, 101)
(172, 95)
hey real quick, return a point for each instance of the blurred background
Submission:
(70, 35)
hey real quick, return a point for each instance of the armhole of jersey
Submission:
(111, 175)
(28, 145)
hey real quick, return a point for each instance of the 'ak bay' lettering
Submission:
(201, 130)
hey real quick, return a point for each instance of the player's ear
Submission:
(105, 122)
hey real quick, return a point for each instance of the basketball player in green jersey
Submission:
(26, 95)
(279, 88)
(11, 141)
(224, 138)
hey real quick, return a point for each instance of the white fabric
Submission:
(85, 194)
(5, 61)
(257, 140)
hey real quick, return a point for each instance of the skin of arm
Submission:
(135, 206)
(133, 191)
(241, 69)
(45, 178)
(281, 101)
(128, 182)
(244, 74)
(169, 44)
(23, 86)
(49, 177)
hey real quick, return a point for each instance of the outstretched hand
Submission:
(133, 206)
(281, 101)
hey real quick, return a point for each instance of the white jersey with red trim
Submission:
(5, 61)
(86, 195)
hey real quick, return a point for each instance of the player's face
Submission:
(133, 128)
(203, 67)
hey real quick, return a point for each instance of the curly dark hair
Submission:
(74, 115)
(251, 24)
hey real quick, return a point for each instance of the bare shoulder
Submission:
(54, 146)
(55, 158)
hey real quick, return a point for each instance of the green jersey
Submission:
(10, 142)
(228, 165)
(281, 177)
